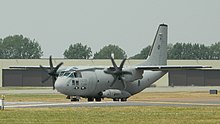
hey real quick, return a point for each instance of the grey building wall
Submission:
(6, 63)
(17, 77)
(207, 77)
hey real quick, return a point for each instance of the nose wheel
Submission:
(73, 99)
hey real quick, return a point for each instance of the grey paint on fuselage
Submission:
(93, 82)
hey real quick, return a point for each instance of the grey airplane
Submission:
(116, 82)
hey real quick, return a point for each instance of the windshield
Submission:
(66, 74)
(71, 74)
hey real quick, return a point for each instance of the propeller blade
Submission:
(51, 63)
(122, 63)
(114, 64)
(115, 78)
(54, 80)
(44, 69)
(43, 81)
(58, 66)
(123, 82)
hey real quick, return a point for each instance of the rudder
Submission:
(158, 52)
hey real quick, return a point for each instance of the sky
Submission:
(130, 24)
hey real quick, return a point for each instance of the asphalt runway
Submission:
(158, 102)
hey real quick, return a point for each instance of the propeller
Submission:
(117, 72)
(52, 72)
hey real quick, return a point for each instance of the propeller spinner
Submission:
(52, 72)
(117, 72)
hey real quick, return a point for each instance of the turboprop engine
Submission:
(135, 74)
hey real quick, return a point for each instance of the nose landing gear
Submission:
(73, 99)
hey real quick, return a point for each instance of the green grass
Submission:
(122, 115)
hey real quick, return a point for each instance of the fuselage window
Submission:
(77, 82)
(73, 82)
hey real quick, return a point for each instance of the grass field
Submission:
(122, 115)
(126, 115)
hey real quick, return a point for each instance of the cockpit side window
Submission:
(71, 75)
(77, 74)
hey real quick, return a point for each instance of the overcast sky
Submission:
(131, 24)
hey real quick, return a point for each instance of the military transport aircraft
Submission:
(116, 82)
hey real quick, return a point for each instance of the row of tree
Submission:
(20, 47)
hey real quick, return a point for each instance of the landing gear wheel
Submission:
(67, 97)
(115, 99)
(98, 99)
(74, 100)
(90, 99)
(123, 99)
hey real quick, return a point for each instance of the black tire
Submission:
(98, 99)
(90, 99)
(115, 99)
(74, 100)
(123, 99)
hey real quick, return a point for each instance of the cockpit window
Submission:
(71, 75)
(61, 74)
(77, 74)
(66, 74)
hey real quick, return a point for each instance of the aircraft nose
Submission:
(60, 85)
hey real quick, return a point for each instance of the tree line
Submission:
(20, 47)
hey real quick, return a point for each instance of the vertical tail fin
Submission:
(158, 52)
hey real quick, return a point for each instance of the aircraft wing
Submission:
(69, 68)
(89, 69)
(172, 67)
(28, 67)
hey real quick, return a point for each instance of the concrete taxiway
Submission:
(110, 104)
(212, 101)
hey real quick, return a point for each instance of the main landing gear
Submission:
(91, 99)
(118, 99)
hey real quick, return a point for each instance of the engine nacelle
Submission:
(114, 93)
(136, 74)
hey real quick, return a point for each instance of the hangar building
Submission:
(33, 77)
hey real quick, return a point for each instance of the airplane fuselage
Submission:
(95, 83)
